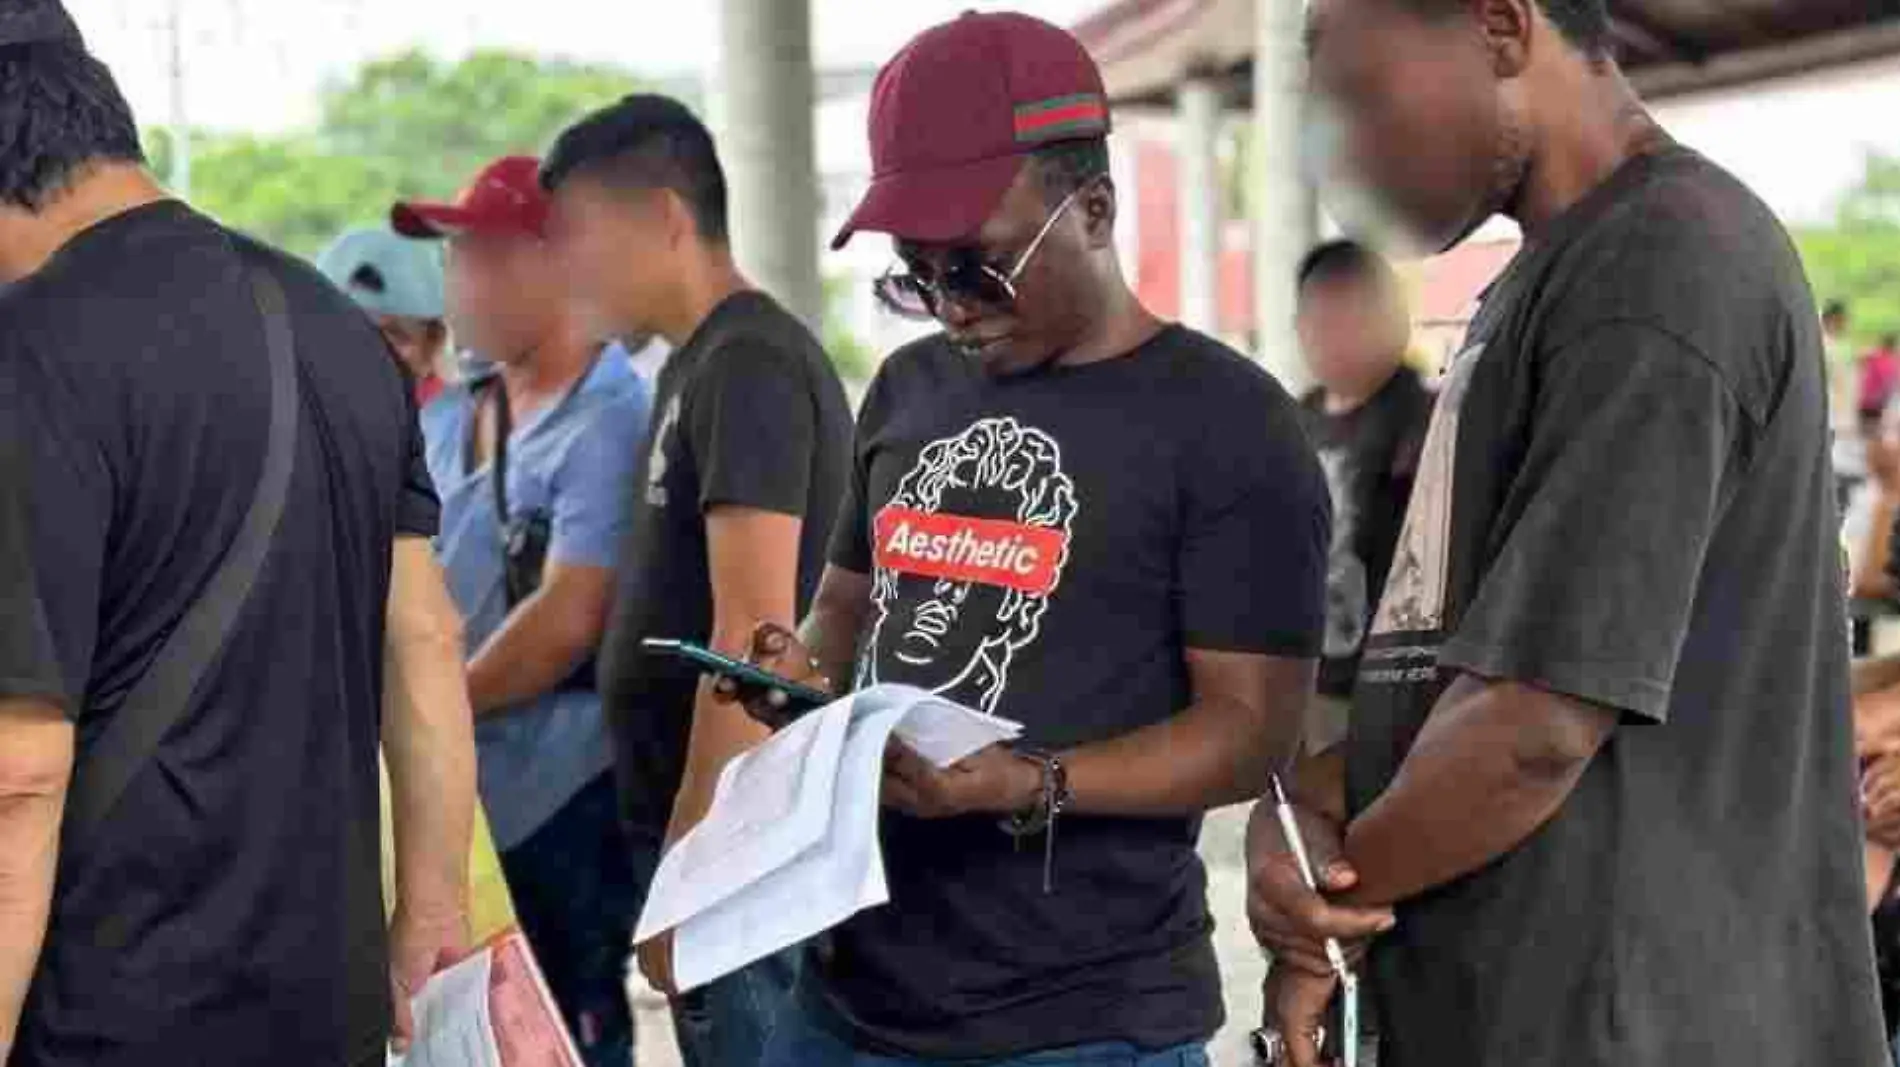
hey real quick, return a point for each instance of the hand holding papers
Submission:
(789, 848)
(490, 1010)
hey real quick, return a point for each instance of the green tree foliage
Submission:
(408, 125)
(1857, 259)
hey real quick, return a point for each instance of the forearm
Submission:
(721, 730)
(1481, 778)
(34, 777)
(429, 744)
(533, 653)
(1195, 762)
(831, 635)
(29, 851)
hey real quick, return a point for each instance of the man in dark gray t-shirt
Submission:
(1600, 766)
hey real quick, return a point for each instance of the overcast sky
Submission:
(256, 64)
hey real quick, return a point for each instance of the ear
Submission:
(681, 228)
(1506, 28)
(1098, 206)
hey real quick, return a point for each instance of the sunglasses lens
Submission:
(970, 282)
(905, 296)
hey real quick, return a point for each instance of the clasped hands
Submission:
(1293, 923)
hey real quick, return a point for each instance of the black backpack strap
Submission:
(160, 698)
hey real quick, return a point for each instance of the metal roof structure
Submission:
(1668, 47)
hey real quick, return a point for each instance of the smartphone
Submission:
(798, 698)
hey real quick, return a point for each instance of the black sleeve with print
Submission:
(1621, 485)
(750, 424)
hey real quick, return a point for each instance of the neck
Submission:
(704, 283)
(29, 238)
(1342, 399)
(549, 370)
(1605, 129)
(1120, 326)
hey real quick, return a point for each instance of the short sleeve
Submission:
(593, 489)
(1256, 528)
(29, 668)
(1633, 441)
(55, 516)
(751, 423)
(850, 547)
(418, 509)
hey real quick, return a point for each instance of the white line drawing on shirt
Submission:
(954, 635)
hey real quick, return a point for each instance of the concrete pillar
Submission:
(1286, 210)
(764, 106)
(1198, 113)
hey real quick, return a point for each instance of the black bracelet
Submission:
(1040, 817)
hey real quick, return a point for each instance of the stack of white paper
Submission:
(789, 848)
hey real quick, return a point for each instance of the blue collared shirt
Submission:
(575, 461)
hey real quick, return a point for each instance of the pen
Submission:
(1348, 982)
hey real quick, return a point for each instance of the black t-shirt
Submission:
(1370, 455)
(1625, 497)
(1045, 548)
(750, 413)
(229, 910)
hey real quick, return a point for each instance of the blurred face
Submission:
(616, 247)
(1425, 122)
(417, 342)
(503, 294)
(1054, 294)
(1352, 333)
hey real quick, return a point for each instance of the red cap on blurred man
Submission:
(505, 198)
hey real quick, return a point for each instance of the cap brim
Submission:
(425, 220)
(939, 204)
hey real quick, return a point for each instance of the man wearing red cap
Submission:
(535, 459)
(1072, 515)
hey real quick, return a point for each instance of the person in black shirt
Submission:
(227, 908)
(1367, 420)
(1600, 760)
(735, 496)
(1072, 515)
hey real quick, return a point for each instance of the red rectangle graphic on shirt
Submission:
(961, 549)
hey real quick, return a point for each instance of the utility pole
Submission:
(181, 125)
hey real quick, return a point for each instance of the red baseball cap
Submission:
(954, 115)
(506, 197)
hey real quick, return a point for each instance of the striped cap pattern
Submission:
(1061, 117)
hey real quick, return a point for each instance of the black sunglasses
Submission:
(965, 279)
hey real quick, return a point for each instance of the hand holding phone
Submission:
(762, 682)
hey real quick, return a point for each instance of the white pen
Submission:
(1348, 982)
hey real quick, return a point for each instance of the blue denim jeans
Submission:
(801, 1041)
(727, 1023)
(577, 883)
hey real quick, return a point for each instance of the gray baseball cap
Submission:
(386, 274)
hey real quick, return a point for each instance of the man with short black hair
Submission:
(735, 495)
(165, 384)
(1070, 514)
(1600, 769)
